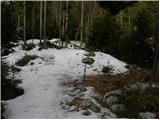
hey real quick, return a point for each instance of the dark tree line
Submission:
(127, 30)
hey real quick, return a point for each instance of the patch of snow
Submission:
(41, 82)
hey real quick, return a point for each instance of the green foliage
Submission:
(8, 25)
(130, 36)
(132, 106)
(28, 47)
(25, 60)
(137, 101)
(108, 69)
(136, 48)
(104, 35)
(9, 88)
(2, 110)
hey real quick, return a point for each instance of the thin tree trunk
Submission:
(45, 24)
(24, 22)
(63, 27)
(77, 33)
(18, 24)
(41, 4)
(91, 23)
(60, 20)
(33, 15)
(121, 19)
(129, 19)
(82, 13)
(83, 81)
(155, 69)
(66, 25)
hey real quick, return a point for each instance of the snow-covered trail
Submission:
(42, 82)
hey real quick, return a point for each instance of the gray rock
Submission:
(116, 108)
(117, 92)
(146, 115)
(112, 100)
(90, 104)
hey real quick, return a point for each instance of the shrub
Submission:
(137, 101)
(107, 69)
(9, 88)
(2, 110)
(25, 60)
(28, 47)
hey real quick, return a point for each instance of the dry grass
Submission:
(107, 83)
(25, 60)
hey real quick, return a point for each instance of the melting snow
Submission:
(42, 81)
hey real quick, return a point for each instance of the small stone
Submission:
(32, 63)
(86, 112)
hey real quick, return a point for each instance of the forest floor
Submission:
(45, 80)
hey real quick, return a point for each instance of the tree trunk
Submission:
(77, 33)
(129, 19)
(121, 19)
(41, 4)
(45, 2)
(155, 69)
(18, 24)
(91, 23)
(63, 26)
(60, 20)
(66, 25)
(83, 81)
(33, 15)
(82, 13)
(24, 23)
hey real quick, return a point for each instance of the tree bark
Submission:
(33, 15)
(82, 13)
(24, 22)
(66, 25)
(41, 4)
(18, 24)
(121, 19)
(129, 19)
(45, 2)
(60, 20)
(155, 69)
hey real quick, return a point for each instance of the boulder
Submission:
(116, 108)
(117, 92)
(112, 100)
(146, 115)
